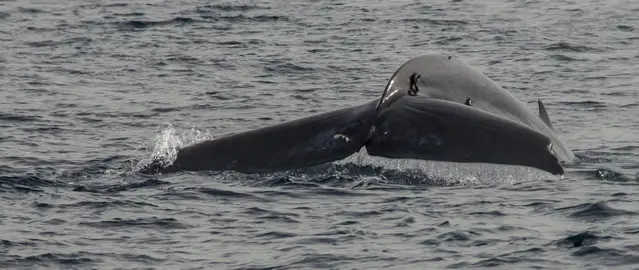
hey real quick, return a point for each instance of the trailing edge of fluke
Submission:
(435, 107)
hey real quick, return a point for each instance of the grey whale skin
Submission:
(435, 107)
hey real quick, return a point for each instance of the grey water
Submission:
(91, 90)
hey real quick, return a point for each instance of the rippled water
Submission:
(93, 89)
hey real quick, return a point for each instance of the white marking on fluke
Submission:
(341, 136)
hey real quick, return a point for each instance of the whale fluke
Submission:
(432, 129)
(543, 114)
(434, 107)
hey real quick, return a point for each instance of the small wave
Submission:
(561, 57)
(594, 250)
(230, 7)
(360, 214)
(257, 211)
(30, 10)
(147, 24)
(131, 14)
(318, 50)
(116, 5)
(184, 59)
(245, 19)
(259, 18)
(53, 43)
(496, 261)
(208, 194)
(120, 188)
(271, 215)
(626, 28)
(446, 41)
(232, 44)
(595, 78)
(93, 204)
(146, 223)
(6, 245)
(598, 210)
(435, 21)
(318, 240)
(626, 148)
(287, 68)
(25, 183)
(49, 260)
(606, 256)
(450, 237)
(279, 193)
(315, 260)
(565, 46)
(276, 235)
(18, 118)
(494, 213)
(526, 187)
(630, 105)
(586, 103)
(633, 230)
(165, 110)
(581, 239)
(224, 193)
(71, 260)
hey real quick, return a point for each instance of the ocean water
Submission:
(92, 90)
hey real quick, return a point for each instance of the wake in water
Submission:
(359, 168)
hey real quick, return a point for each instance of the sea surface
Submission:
(93, 90)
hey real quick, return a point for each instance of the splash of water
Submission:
(167, 142)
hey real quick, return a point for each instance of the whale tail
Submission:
(420, 115)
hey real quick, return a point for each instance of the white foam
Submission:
(451, 172)
(167, 143)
